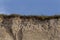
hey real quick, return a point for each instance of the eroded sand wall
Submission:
(17, 28)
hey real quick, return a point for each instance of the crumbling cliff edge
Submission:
(15, 27)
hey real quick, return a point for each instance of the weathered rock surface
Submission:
(16, 28)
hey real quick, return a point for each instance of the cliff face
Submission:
(17, 28)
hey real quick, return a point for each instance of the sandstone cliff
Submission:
(29, 28)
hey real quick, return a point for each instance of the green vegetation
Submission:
(31, 16)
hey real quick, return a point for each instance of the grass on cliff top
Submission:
(30, 16)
